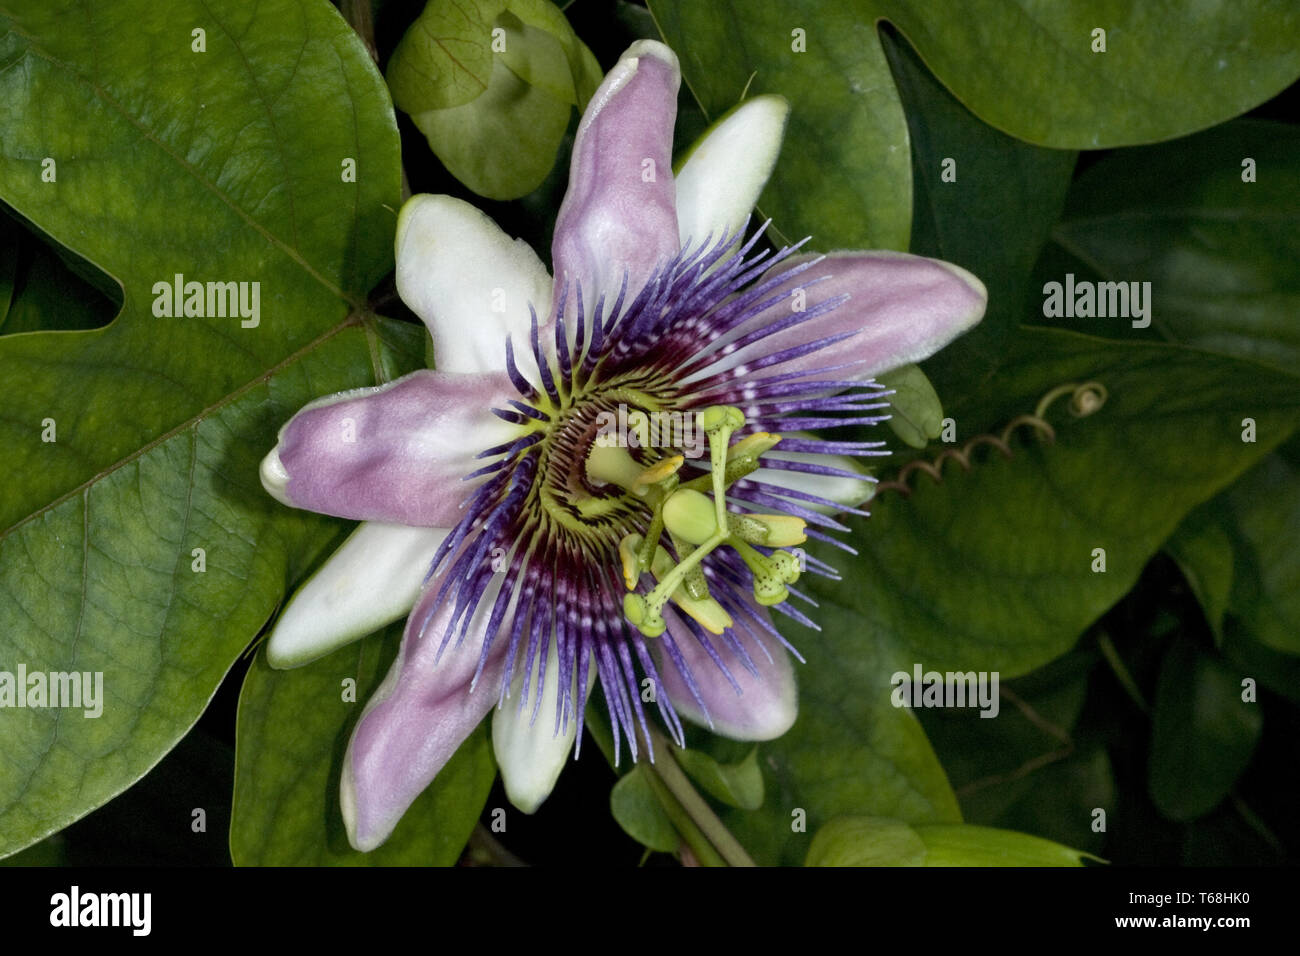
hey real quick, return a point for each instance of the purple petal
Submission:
(421, 713)
(620, 211)
(897, 309)
(397, 453)
(767, 702)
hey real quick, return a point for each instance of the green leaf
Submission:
(1241, 554)
(1262, 515)
(638, 812)
(1203, 550)
(445, 58)
(844, 173)
(292, 733)
(1278, 672)
(1031, 74)
(1057, 802)
(868, 841)
(537, 58)
(1027, 770)
(737, 785)
(1168, 69)
(502, 144)
(993, 219)
(991, 570)
(494, 106)
(584, 72)
(1202, 733)
(984, 846)
(850, 751)
(916, 416)
(225, 166)
(1220, 252)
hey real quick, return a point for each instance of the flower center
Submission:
(608, 458)
(593, 509)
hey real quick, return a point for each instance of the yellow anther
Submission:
(659, 471)
(627, 553)
(758, 443)
(783, 531)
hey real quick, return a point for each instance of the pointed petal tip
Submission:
(406, 215)
(772, 720)
(529, 776)
(654, 48)
(468, 281)
(416, 719)
(769, 112)
(768, 731)
(881, 309)
(393, 453)
(285, 658)
(527, 795)
(774, 101)
(530, 754)
(618, 221)
(361, 841)
(275, 477)
(767, 702)
(975, 285)
(720, 178)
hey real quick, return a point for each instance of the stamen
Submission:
(775, 531)
(697, 525)
(771, 572)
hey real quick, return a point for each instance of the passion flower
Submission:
(606, 474)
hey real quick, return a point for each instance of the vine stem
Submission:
(691, 835)
(684, 794)
(1085, 399)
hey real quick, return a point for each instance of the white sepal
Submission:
(529, 751)
(372, 580)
